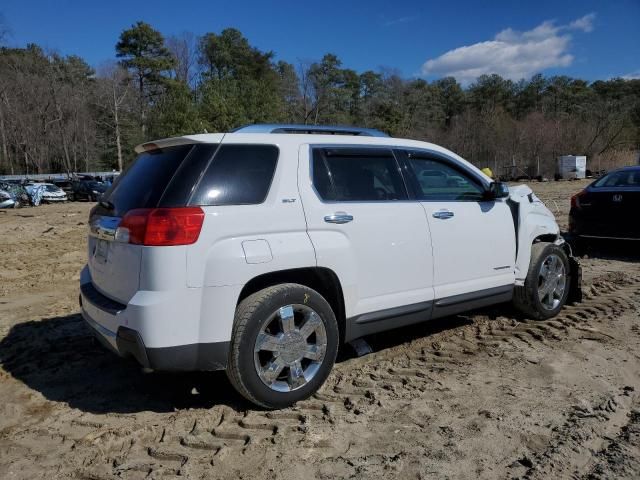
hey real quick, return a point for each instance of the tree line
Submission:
(57, 113)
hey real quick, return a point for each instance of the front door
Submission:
(473, 238)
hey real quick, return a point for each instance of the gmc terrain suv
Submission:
(261, 250)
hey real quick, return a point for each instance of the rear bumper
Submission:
(587, 227)
(121, 329)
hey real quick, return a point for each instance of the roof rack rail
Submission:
(310, 129)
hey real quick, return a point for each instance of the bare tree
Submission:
(184, 49)
(114, 90)
(306, 90)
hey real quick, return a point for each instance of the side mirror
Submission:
(498, 190)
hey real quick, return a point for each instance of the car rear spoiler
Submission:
(175, 141)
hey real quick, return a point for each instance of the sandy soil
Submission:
(484, 395)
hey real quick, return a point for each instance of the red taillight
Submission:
(161, 226)
(575, 200)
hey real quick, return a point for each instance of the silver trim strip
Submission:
(104, 227)
(610, 238)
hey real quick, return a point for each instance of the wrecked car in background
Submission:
(90, 190)
(35, 191)
(7, 200)
(17, 193)
(53, 193)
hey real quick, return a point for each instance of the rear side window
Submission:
(347, 175)
(142, 185)
(237, 175)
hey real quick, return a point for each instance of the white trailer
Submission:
(571, 167)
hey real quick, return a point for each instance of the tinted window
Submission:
(187, 176)
(438, 181)
(348, 176)
(623, 178)
(144, 182)
(237, 175)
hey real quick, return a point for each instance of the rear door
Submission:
(364, 228)
(473, 238)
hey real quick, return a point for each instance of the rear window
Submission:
(237, 175)
(145, 181)
(621, 178)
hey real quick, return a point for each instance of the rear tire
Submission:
(547, 284)
(284, 344)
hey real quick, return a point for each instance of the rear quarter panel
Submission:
(218, 257)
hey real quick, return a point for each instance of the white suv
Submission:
(262, 250)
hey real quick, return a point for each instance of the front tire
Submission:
(284, 344)
(547, 285)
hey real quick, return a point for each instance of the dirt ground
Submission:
(484, 395)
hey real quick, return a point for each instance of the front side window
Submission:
(347, 175)
(237, 175)
(436, 180)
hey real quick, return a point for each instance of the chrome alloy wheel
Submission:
(552, 281)
(290, 348)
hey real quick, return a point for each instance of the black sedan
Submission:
(87, 189)
(608, 208)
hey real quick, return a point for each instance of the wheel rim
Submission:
(552, 281)
(290, 348)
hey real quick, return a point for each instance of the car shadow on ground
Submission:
(398, 336)
(60, 358)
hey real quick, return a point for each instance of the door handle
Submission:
(338, 217)
(443, 214)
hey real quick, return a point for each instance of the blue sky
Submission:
(587, 39)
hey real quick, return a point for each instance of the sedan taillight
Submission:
(575, 200)
(161, 226)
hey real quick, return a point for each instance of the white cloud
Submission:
(632, 75)
(511, 54)
(584, 23)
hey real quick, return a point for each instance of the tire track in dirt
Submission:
(604, 301)
(359, 387)
(588, 428)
